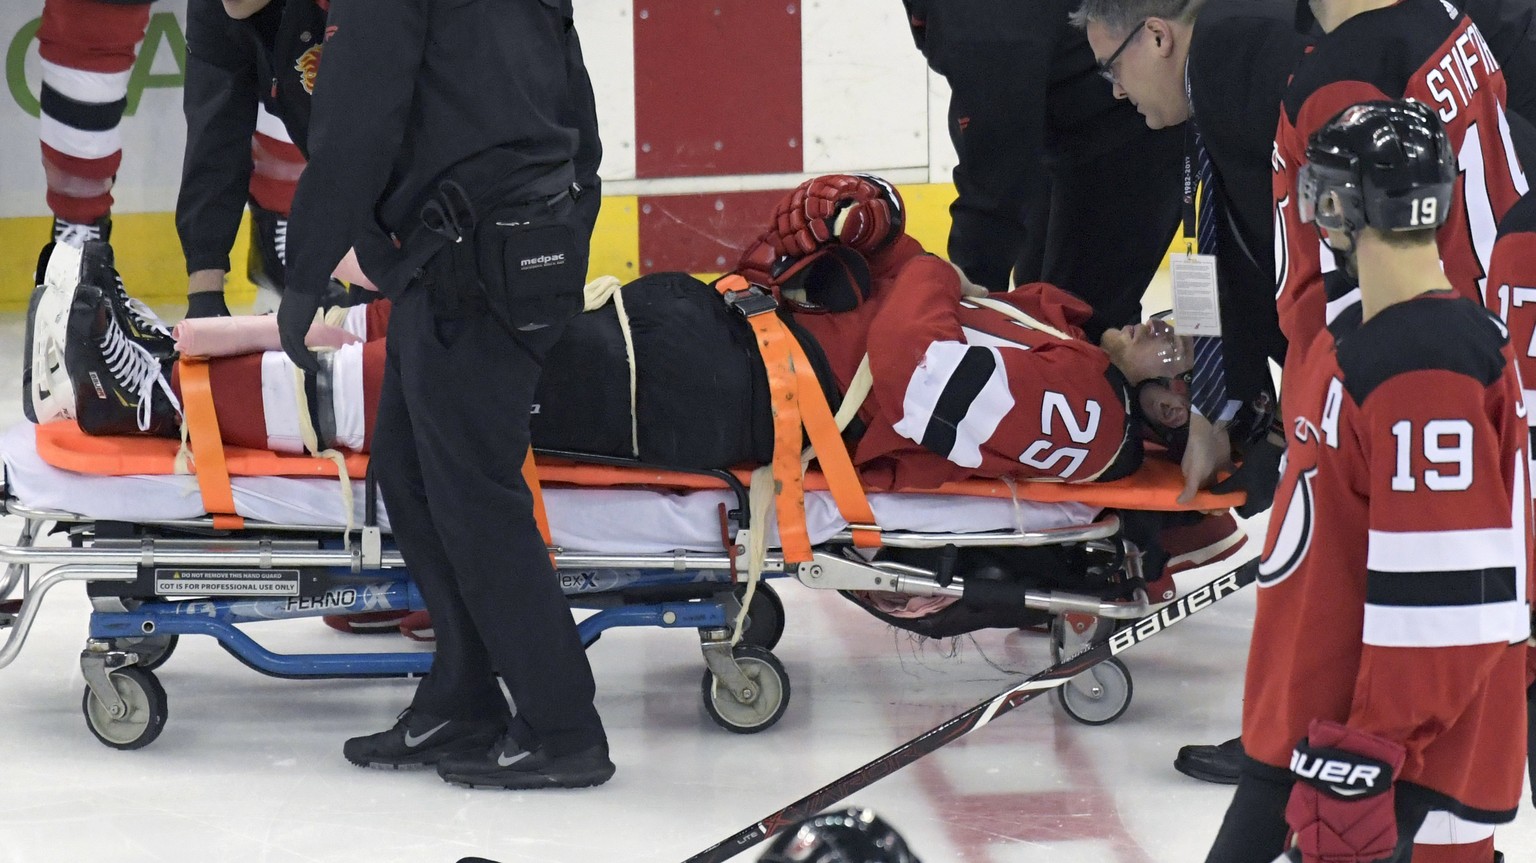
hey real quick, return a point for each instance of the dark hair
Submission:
(1122, 15)
(1173, 439)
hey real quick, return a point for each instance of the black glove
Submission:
(207, 304)
(1257, 476)
(294, 315)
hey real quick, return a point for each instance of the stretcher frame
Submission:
(745, 688)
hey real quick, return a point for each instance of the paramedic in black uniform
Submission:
(446, 145)
(1042, 146)
(241, 54)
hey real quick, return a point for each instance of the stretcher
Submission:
(638, 544)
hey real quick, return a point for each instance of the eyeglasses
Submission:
(1175, 350)
(1107, 68)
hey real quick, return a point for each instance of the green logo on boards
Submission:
(164, 33)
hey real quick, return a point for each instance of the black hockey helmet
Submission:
(850, 836)
(1386, 165)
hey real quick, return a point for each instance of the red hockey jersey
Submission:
(1396, 576)
(1512, 286)
(1418, 49)
(966, 390)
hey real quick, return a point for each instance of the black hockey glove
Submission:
(294, 315)
(1257, 476)
(207, 304)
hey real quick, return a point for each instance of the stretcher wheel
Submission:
(770, 696)
(1111, 684)
(765, 616)
(154, 650)
(141, 691)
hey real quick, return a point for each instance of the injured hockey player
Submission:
(964, 384)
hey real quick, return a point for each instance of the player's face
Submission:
(1149, 350)
(1141, 66)
(1164, 406)
(244, 8)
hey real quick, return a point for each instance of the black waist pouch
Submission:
(532, 261)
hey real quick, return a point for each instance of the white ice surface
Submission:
(249, 768)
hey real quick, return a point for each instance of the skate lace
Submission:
(132, 365)
(75, 234)
(142, 315)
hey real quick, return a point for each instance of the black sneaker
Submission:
(120, 387)
(1220, 764)
(419, 740)
(509, 765)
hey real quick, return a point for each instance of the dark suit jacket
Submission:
(1240, 60)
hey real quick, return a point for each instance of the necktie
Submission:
(1208, 381)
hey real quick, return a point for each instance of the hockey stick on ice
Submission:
(979, 715)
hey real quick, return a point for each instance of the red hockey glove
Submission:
(857, 210)
(758, 262)
(1341, 806)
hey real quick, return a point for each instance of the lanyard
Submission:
(1191, 149)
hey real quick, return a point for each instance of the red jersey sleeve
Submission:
(1512, 282)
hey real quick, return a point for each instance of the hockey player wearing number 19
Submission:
(1386, 680)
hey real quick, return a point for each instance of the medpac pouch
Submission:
(532, 260)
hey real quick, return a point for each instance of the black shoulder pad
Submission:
(1521, 218)
(1433, 332)
(1383, 47)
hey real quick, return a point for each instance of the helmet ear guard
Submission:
(1386, 165)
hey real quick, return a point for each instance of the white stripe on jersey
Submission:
(280, 403)
(270, 126)
(1522, 185)
(1337, 307)
(76, 142)
(982, 415)
(1444, 550)
(347, 395)
(94, 88)
(1446, 625)
(1443, 828)
(356, 321)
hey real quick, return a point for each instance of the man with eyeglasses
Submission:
(1042, 145)
(1226, 96)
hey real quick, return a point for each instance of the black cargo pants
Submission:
(451, 435)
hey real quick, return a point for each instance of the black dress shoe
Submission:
(1220, 764)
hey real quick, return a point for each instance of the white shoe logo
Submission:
(414, 740)
(509, 760)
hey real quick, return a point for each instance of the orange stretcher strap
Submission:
(540, 515)
(798, 402)
(207, 445)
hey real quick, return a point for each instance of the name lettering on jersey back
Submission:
(1454, 79)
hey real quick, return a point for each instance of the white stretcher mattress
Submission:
(610, 520)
